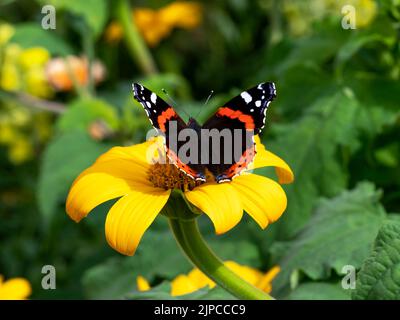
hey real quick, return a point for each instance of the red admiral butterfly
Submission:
(242, 117)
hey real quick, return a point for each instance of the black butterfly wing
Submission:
(158, 111)
(244, 116)
(164, 118)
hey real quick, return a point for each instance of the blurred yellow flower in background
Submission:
(14, 289)
(24, 70)
(32, 61)
(9, 72)
(155, 25)
(195, 279)
(20, 150)
(33, 57)
(10, 80)
(302, 14)
(6, 32)
(21, 130)
(366, 10)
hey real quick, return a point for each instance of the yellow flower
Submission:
(113, 32)
(366, 11)
(151, 25)
(195, 279)
(34, 57)
(155, 25)
(24, 70)
(14, 289)
(144, 188)
(19, 116)
(302, 14)
(9, 73)
(32, 62)
(10, 79)
(7, 132)
(6, 32)
(36, 82)
(20, 150)
(142, 284)
(11, 53)
(186, 15)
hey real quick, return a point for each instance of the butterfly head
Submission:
(193, 124)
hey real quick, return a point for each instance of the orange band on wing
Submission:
(174, 158)
(246, 158)
(165, 116)
(236, 114)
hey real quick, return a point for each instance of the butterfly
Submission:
(241, 118)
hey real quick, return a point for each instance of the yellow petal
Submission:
(183, 14)
(247, 273)
(265, 158)
(262, 198)
(199, 279)
(219, 202)
(142, 284)
(142, 153)
(114, 174)
(265, 282)
(181, 285)
(130, 217)
(15, 289)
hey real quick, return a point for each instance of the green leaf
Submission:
(311, 147)
(95, 12)
(313, 50)
(157, 256)
(64, 159)
(379, 277)
(81, 113)
(375, 90)
(32, 35)
(354, 44)
(340, 233)
(159, 292)
(319, 291)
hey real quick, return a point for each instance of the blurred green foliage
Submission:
(335, 121)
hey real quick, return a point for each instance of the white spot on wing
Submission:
(258, 103)
(153, 98)
(274, 88)
(246, 97)
(148, 104)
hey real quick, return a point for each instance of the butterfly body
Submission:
(223, 145)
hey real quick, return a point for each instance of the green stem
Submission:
(138, 49)
(187, 235)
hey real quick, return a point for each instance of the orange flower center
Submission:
(168, 176)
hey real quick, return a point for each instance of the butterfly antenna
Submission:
(172, 100)
(205, 103)
(209, 97)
